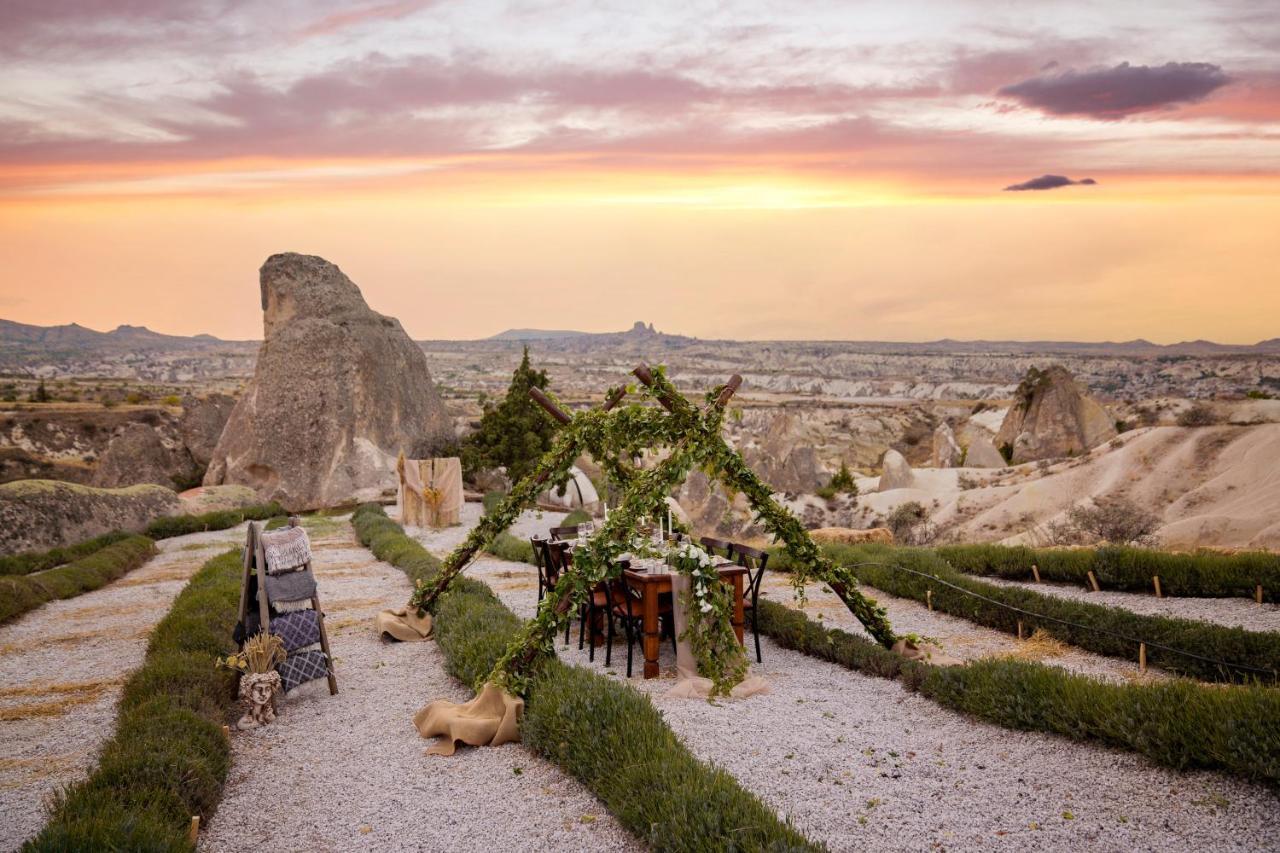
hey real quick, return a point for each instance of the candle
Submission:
(669, 527)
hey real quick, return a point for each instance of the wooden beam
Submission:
(1093, 582)
(1155, 579)
(551, 408)
(730, 388)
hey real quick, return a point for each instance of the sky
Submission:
(887, 171)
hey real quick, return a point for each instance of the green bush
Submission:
(491, 500)
(21, 593)
(1177, 723)
(168, 759)
(181, 525)
(578, 516)
(605, 734)
(38, 561)
(508, 547)
(1101, 625)
(1203, 574)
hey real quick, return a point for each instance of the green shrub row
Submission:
(20, 593)
(181, 525)
(605, 734)
(1178, 723)
(169, 758)
(1100, 625)
(38, 561)
(508, 547)
(1204, 574)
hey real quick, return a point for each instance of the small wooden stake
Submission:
(226, 731)
(1020, 633)
(1093, 582)
(1257, 594)
(1155, 579)
(928, 597)
(1035, 571)
(1142, 657)
(193, 834)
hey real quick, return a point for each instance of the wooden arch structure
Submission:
(692, 438)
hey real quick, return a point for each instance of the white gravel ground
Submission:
(348, 772)
(860, 763)
(1232, 612)
(441, 542)
(62, 667)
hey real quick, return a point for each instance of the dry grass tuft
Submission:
(70, 694)
(1038, 646)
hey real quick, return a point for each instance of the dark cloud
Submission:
(1113, 93)
(1049, 182)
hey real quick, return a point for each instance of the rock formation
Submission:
(897, 472)
(982, 453)
(784, 460)
(339, 390)
(1052, 416)
(39, 514)
(946, 450)
(203, 419)
(140, 454)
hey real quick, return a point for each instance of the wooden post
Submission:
(928, 597)
(1257, 594)
(1020, 632)
(193, 833)
(1142, 657)
(1035, 571)
(1155, 579)
(226, 732)
(1093, 582)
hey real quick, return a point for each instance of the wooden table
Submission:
(653, 584)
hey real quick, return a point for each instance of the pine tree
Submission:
(41, 394)
(515, 432)
(843, 481)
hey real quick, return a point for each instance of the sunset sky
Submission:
(790, 170)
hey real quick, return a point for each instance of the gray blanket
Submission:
(295, 586)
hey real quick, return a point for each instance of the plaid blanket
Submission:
(297, 629)
(302, 667)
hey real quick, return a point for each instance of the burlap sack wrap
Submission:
(490, 719)
(430, 491)
(927, 653)
(690, 685)
(404, 625)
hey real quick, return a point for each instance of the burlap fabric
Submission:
(927, 653)
(430, 491)
(404, 625)
(690, 685)
(490, 719)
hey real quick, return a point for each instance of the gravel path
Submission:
(861, 763)
(62, 667)
(1231, 612)
(348, 772)
(441, 542)
(958, 637)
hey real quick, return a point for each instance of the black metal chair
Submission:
(754, 561)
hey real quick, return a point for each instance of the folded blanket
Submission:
(294, 586)
(297, 629)
(302, 667)
(286, 550)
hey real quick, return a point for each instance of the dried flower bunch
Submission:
(260, 654)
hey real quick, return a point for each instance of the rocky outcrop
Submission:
(946, 450)
(204, 499)
(982, 453)
(1052, 416)
(339, 391)
(139, 453)
(851, 536)
(784, 459)
(896, 474)
(39, 514)
(203, 419)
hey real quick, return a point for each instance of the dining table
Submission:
(652, 577)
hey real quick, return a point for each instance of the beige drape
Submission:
(690, 685)
(443, 477)
(404, 625)
(490, 719)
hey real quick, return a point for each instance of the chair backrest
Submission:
(719, 547)
(754, 560)
(622, 594)
(559, 556)
(542, 559)
(562, 533)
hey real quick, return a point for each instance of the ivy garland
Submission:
(694, 441)
(709, 606)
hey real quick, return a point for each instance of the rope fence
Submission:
(1269, 673)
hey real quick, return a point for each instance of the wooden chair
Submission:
(547, 576)
(561, 534)
(627, 605)
(556, 558)
(717, 547)
(753, 560)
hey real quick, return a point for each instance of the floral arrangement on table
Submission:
(709, 608)
(256, 662)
